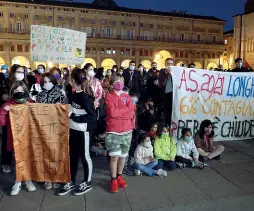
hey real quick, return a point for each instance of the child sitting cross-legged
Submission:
(186, 151)
(144, 159)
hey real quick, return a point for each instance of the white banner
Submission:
(57, 45)
(225, 98)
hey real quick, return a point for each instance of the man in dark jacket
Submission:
(166, 83)
(239, 66)
(131, 79)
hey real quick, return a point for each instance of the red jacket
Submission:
(120, 113)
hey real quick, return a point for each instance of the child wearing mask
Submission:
(144, 158)
(82, 117)
(18, 95)
(165, 149)
(204, 142)
(119, 126)
(186, 151)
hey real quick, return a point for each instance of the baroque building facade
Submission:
(116, 35)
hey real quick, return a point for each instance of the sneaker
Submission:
(180, 165)
(15, 189)
(162, 173)
(121, 182)
(6, 169)
(56, 185)
(83, 188)
(68, 187)
(128, 171)
(30, 186)
(137, 172)
(200, 165)
(48, 185)
(114, 186)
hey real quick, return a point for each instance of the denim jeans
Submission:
(171, 165)
(148, 169)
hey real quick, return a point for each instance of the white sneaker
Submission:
(15, 189)
(162, 173)
(48, 185)
(6, 169)
(56, 185)
(30, 186)
(137, 172)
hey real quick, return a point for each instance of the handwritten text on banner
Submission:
(57, 45)
(40, 138)
(225, 98)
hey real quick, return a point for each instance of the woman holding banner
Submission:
(82, 117)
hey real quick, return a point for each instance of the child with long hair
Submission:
(144, 158)
(204, 141)
(19, 94)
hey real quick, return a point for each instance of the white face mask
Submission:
(165, 133)
(4, 71)
(240, 64)
(48, 86)
(91, 73)
(147, 144)
(132, 68)
(19, 76)
(115, 69)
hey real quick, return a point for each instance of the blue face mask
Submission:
(188, 138)
(40, 70)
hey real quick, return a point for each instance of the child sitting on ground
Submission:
(186, 151)
(165, 149)
(98, 146)
(144, 159)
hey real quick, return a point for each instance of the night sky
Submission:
(224, 9)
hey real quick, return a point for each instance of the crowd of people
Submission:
(121, 114)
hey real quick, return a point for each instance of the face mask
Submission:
(168, 67)
(29, 70)
(154, 68)
(147, 144)
(165, 133)
(40, 70)
(134, 100)
(132, 68)
(108, 74)
(19, 76)
(91, 73)
(118, 86)
(115, 69)
(188, 139)
(4, 71)
(104, 74)
(48, 86)
(240, 64)
(57, 76)
(18, 96)
(5, 75)
(120, 73)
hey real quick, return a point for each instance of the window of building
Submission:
(1, 14)
(2, 47)
(181, 37)
(19, 48)
(36, 17)
(214, 39)
(198, 37)
(108, 34)
(26, 16)
(26, 28)
(141, 52)
(133, 52)
(146, 53)
(128, 51)
(181, 54)
(11, 15)
(12, 48)
(102, 51)
(208, 55)
(176, 54)
(128, 35)
(27, 48)
(108, 51)
(225, 42)
(151, 52)
(12, 27)
(102, 32)
(114, 51)
(88, 49)
(102, 22)
(94, 32)
(122, 23)
(113, 23)
(213, 55)
(202, 55)
(122, 51)
(19, 27)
